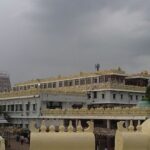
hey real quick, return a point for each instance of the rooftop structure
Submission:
(4, 82)
(102, 79)
(75, 76)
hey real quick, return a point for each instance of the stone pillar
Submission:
(24, 109)
(108, 139)
(97, 80)
(7, 107)
(76, 123)
(139, 122)
(38, 112)
(15, 107)
(108, 124)
(23, 124)
(30, 108)
(97, 146)
(126, 123)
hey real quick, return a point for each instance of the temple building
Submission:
(103, 88)
(104, 96)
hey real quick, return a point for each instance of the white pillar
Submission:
(24, 109)
(126, 123)
(108, 124)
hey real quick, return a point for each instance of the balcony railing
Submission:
(117, 111)
(74, 90)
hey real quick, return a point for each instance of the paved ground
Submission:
(17, 145)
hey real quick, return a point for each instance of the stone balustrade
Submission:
(74, 90)
(12, 94)
(116, 111)
(114, 85)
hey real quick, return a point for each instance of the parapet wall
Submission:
(132, 138)
(116, 111)
(2, 143)
(66, 139)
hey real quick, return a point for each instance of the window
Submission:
(131, 97)
(136, 97)
(0, 108)
(36, 85)
(12, 107)
(54, 105)
(27, 107)
(16, 107)
(76, 82)
(45, 85)
(101, 79)
(88, 95)
(54, 84)
(88, 80)
(95, 94)
(49, 85)
(70, 83)
(60, 83)
(21, 88)
(95, 80)
(77, 106)
(34, 107)
(41, 85)
(121, 96)
(66, 83)
(9, 107)
(3, 108)
(20, 107)
(14, 89)
(114, 96)
(103, 96)
(82, 81)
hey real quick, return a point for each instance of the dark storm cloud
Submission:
(41, 38)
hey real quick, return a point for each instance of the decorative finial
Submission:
(52, 128)
(32, 127)
(120, 126)
(90, 126)
(131, 127)
(79, 127)
(139, 127)
(61, 128)
(70, 127)
(43, 127)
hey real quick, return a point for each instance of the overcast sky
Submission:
(42, 38)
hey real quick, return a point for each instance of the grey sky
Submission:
(42, 38)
